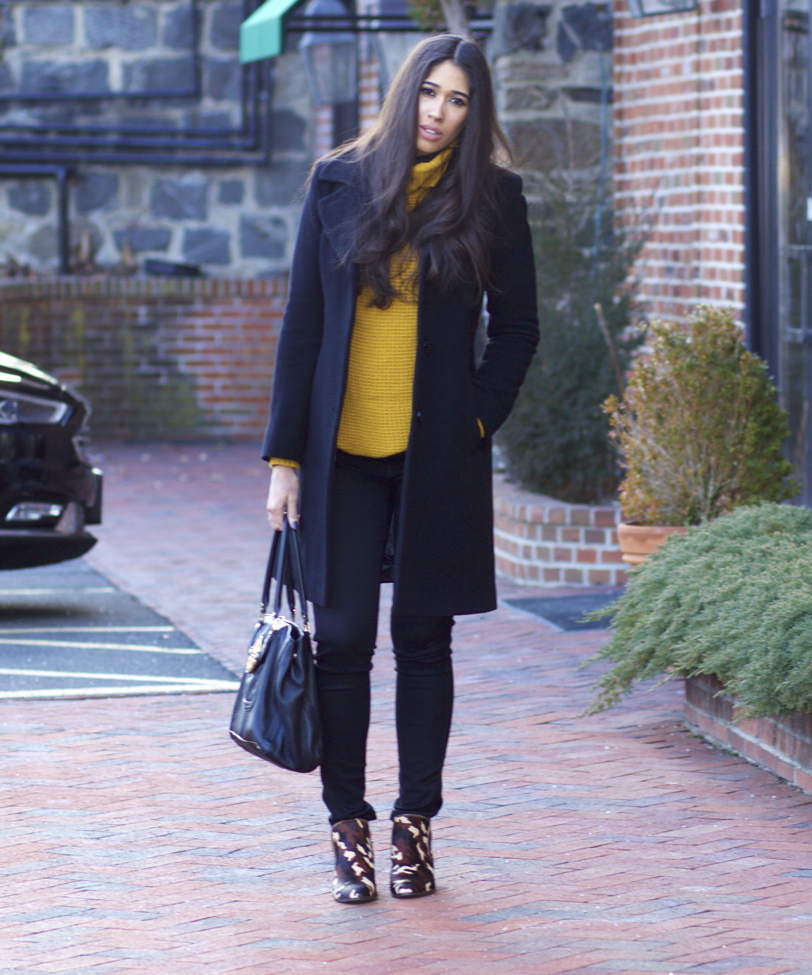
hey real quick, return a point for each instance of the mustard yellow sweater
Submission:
(376, 414)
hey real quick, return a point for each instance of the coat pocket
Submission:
(474, 435)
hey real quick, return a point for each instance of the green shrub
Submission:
(556, 440)
(732, 598)
(699, 427)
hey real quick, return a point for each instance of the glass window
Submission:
(795, 231)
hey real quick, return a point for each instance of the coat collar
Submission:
(340, 169)
(341, 199)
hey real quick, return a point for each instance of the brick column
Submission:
(369, 89)
(322, 130)
(678, 140)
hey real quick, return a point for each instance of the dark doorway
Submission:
(779, 211)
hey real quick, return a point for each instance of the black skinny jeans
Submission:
(366, 493)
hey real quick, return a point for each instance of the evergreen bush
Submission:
(556, 441)
(699, 428)
(732, 598)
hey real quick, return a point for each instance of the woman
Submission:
(380, 406)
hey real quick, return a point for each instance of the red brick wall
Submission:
(369, 96)
(678, 106)
(155, 356)
(543, 542)
(783, 745)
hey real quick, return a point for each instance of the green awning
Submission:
(262, 35)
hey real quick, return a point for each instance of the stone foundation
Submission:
(781, 745)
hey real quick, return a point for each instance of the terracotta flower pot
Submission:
(637, 542)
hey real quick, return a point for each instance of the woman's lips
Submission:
(430, 133)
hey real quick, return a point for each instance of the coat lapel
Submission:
(339, 208)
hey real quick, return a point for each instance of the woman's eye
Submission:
(426, 91)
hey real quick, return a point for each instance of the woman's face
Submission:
(442, 107)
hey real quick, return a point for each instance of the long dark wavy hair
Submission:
(455, 221)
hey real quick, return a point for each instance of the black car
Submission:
(48, 489)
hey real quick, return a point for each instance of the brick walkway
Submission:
(137, 838)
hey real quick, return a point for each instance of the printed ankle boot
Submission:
(354, 881)
(412, 860)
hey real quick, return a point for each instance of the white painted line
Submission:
(72, 644)
(131, 691)
(88, 629)
(53, 592)
(14, 672)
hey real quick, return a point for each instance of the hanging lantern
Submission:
(330, 56)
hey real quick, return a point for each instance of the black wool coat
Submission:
(444, 563)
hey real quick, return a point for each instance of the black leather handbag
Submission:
(276, 715)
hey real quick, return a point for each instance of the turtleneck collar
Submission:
(427, 172)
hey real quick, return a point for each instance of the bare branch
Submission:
(456, 19)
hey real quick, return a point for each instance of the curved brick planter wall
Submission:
(782, 745)
(156, 357)
(544, 542)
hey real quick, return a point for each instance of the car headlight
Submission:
(34, 511)
(20, 408)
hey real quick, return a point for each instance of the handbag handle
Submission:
(295, 564)
(282, 573)
(285, 565)
(269, 573)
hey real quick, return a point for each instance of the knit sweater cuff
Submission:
(278, 462)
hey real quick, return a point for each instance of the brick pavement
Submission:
(136, 835)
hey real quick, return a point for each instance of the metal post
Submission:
(63, 224)
(752, 197)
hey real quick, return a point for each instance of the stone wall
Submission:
(157, 357)
(679, 151)
(552, 65)
(119, 61)
(106, 71)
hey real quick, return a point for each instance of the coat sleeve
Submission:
(299, 341)
(513, 330)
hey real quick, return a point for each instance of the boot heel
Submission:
(354, 881)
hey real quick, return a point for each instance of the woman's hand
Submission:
(283, 495)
